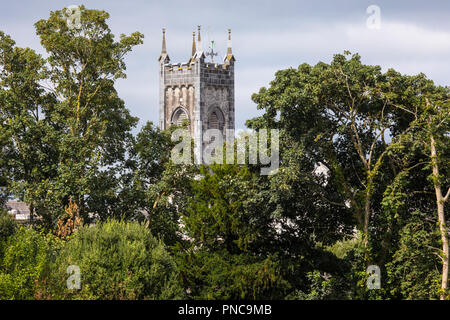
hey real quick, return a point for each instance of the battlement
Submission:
(188, 73)
(204, 65)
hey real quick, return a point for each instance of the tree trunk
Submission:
(441, 216)
(366, 220)
(367, 207)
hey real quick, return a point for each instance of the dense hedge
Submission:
(26, 259)
(117, 260)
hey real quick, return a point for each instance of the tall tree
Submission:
(84, 62)
(228, 227)
(27, 133)
(340, 116)
(156, 188)
(426, 145)
(68, 107)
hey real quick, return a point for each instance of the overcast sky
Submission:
(414, 36)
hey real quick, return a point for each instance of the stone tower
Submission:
(198, 91)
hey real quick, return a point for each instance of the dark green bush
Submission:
(117, 260)
(224, 276)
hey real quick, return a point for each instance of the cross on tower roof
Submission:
(212, 53)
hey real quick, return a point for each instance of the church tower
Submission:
(197, 91)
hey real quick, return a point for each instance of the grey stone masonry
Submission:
(199, 91)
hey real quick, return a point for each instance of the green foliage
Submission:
(224, 276)
(413, 273)
(117, 260)
(228, 224)
(372, 131)
(410, 202)
(27, 138)
(322, 287)
(236, 233)
(341, 115)
(8, 227)
(66, 137)
(225, 206)
(155, 185)
(24, 265)
(342, 248)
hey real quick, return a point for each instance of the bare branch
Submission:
(447, 195)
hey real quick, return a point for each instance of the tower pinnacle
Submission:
(164, 56)
(164, 50)
(199, 41)
(229, 57)
(229, 51)
(194, 49)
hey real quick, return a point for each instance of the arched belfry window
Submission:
(216, 120)
(213, 121)
(178, 116)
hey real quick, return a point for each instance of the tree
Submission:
(28, 138)
(340, 116)
(221, 213)
(427, 140)
(413, 273)
(229, 232)
(437, 127)
(66, 126)
(237, 218)
(152, 189)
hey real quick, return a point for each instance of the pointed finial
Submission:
(229, 50)
(164, 50)
(164, 58)
(199, 41)
(229, 57)
(194, 49)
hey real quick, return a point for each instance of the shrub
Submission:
(24, 263)
(224, 276)
(8, 227)
(117, 260)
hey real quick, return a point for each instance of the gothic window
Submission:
(179, 116)
(216, 120)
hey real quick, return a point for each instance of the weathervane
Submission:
(212, 53)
